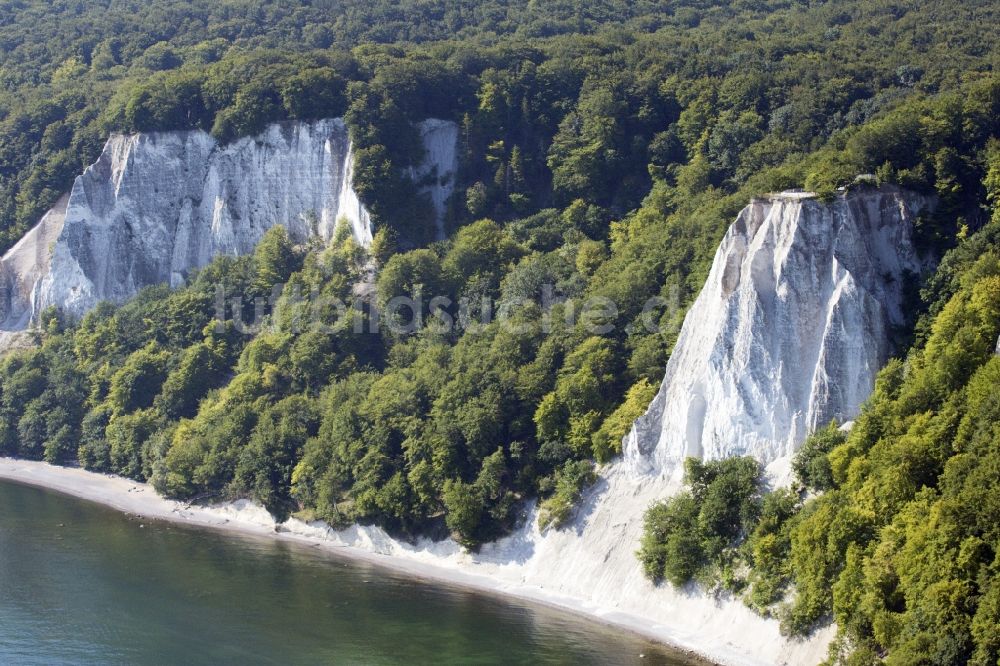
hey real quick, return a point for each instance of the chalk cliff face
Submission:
(156, 206)
(793, 323)
(789, 331)
(436, 174)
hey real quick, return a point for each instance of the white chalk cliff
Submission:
(436, 174)
(789, 331)
(157, 205)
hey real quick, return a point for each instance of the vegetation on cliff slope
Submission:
(892, 530)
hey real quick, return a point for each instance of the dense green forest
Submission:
(552, 96)
(605, 147)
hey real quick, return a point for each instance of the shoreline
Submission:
(142, 501)
(245, 518)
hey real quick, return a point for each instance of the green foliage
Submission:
(551, 97)
(767, 550)
(264, 466)
(607, 441)
(199, 370)
(464, 505)
(570, 481)
(572, 412)
(671, 547)
(137, 383)
(480, 254)
(698, 532)
(416, 274)
(811, 465)
(319, 92)
(614, 119)
(604, 148)
(126, 435)
(274, 260)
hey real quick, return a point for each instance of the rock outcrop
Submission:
(436, 174)
(789, 331)
(795, 320)
(156, 206)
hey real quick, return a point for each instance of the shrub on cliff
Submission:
(697, 533)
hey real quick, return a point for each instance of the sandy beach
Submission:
(436, 561)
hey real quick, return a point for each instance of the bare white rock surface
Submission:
(156, 206)
(792, 325)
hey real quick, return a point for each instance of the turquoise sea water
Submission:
(82, 584)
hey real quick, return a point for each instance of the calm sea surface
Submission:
(82, 584)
